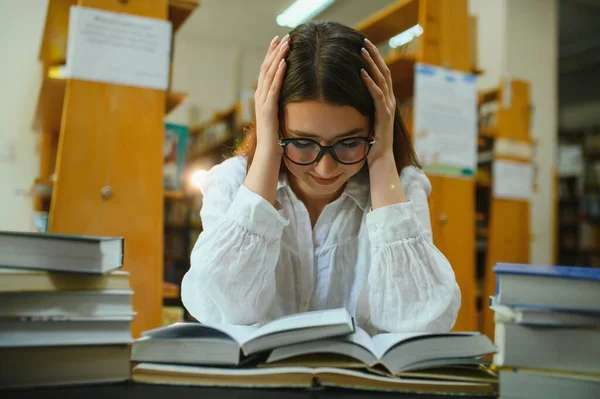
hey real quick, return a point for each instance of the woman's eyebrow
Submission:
(349, 133)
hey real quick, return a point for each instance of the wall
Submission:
(532, 54)
(491, 40)
(519, 38)
(21, 25)
(208, 74)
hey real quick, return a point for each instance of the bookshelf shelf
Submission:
(391, 20)
(174, 194)
(488, 131)
(180, 11)
(170, 291)
(217, 117)
(198, 153)
(173, 100)
(50, 104)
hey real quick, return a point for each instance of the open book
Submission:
(395, 353)
(299, 377)
(224, 344)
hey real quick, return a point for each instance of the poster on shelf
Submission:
(118, 48)
(174, 155)
(512, 180)
(445, 121)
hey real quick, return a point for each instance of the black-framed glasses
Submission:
(307, 151)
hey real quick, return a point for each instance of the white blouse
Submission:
(253, 263)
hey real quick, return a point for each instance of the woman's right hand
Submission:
(263, 172)
(266, 96)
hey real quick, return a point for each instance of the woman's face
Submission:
(326, 124)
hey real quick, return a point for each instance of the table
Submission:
(143, 391)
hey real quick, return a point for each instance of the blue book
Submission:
(563, 288)
(575, 272)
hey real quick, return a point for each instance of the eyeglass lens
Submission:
(347, 150)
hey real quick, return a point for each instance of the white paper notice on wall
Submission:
(118, 48)
(512, 180)
(445, 122)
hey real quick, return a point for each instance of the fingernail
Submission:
(367, 41)
(275, 39)
(362, 70)
(286, 37)
(284, 47)
(364, 51)
(282, 62)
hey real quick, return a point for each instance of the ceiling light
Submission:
(301, 11)
(406, 36)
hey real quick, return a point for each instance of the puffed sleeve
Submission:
(232, 273)
(411, 285)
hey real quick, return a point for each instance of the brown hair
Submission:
(324, 63)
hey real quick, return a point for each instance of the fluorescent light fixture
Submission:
(301, 11)
(405, 37)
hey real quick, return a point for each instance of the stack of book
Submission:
(547, 331)
(319, 348)
(65, 310)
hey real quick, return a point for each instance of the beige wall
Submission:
(21, 25)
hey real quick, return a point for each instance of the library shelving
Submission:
(210, 142)
(579, 197)
(447, 40)
(502, 223)
(100, 148)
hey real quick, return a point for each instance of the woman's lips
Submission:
(325, 182)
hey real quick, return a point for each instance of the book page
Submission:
(197, 330)
(305, 320)
(357, 346)
(385, 342)
(361, 338)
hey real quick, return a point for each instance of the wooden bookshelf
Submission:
(101, 148)
(505, 221)
(445, 43)
(578, 199)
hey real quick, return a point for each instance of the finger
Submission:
(268, 78)
(376, 92)
(272, 46)
(373, 51)
(377, 78)
(273, 95)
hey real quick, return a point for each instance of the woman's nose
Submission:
(326, 166)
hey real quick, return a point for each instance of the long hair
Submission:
(323, 64)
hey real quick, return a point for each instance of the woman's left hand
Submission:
(379, 82)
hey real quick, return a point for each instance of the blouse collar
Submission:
(357, 188)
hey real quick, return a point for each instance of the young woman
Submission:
(325, 207)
